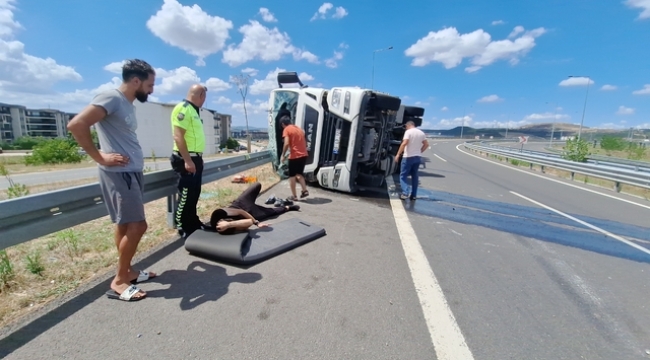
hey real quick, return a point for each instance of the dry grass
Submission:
(88, 250)
(36, 189)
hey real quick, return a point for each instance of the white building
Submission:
(155, 129)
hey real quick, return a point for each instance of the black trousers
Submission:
(246, 202)
(189, 190)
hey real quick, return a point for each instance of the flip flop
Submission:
(126, 295)
(142, 277)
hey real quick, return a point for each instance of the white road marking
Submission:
(436, 155)
(554, 180)
(448, 341)
(455, 232)
(594, 227)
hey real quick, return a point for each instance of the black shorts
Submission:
(297, 166)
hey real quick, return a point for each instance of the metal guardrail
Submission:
(617, 175)
(592, 159)
(30, 217)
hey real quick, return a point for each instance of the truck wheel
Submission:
(413, 111)
(386, 102)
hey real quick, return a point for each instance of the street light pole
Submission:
(585, 105)
(372, 84)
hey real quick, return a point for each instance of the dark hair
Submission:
(136, 68)
(285, 120)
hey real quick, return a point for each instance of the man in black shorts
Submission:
(296, 143)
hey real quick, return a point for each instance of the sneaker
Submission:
(270, 200)
(412, 198)
(403, 197)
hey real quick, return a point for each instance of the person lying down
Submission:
(243, 213)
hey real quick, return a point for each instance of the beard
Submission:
(141, 96)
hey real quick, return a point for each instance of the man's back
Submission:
(298, 145)
(116, 132)
(416, 137)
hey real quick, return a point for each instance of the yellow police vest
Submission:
(186, 117)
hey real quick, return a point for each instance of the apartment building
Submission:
(17, 121)
(224, 121)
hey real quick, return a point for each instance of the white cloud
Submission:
(22, 76)
(444, 108)
(609, 87)
(267, 15)
(7, 23)
(223, 100)
(498, 22)
(547, 116)
(250, 71)
(449, 48)
(257, 107)
(576, 81)
(343, 45)
(516, 31)
(176, 81)
(339, 13)
(216, 85)
(265, 44)
(333, 61)
(644, 91)
(264, 86)
(190, 28)
(454, 122)
(644, 5)
(622, 110)
(489, 99)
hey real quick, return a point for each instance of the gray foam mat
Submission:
(255, 245)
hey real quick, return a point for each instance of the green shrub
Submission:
(55, 151)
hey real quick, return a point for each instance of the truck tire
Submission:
(415, 111)
(386, 102)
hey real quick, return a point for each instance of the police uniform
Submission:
(186, 115)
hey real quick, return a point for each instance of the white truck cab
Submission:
(352, 134)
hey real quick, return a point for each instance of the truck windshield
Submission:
(283, 103)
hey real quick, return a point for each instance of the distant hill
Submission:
(537, 130)
(251, 128)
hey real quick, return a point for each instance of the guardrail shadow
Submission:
(30, 328)
(533, 222)
(200, 283)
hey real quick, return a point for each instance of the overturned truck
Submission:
(352, 134)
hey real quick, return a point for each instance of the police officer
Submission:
(187, 158)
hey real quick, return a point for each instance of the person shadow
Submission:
(200, 283)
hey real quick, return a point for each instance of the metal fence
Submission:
(616, 174)
(27, 218)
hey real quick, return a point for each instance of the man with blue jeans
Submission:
(413, 145)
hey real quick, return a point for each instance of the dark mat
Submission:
(255, 245)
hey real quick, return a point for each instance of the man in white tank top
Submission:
(413, 145)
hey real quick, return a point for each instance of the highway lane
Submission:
(524, 281)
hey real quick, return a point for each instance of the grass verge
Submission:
(35, 273)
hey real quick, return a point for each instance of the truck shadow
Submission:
(533, 222)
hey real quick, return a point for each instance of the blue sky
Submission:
(491, 63)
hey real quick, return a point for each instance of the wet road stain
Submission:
(532, 222)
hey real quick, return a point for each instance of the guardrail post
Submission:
(617, 187)
(172, 201)
(573, 175)
(542, 169)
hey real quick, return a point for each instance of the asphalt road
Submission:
(523, 281)
(469, 265)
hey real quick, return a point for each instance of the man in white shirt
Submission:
(413, 145)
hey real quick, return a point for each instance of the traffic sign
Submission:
(523, 139)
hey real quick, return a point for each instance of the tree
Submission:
(576, 150)
(610, 143)
(241, 81)
(230, 144)
(55, 151)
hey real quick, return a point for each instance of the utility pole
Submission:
(372, 84)
(585, 106)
